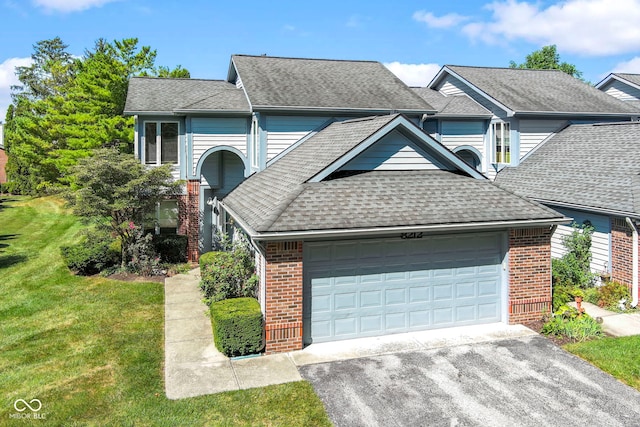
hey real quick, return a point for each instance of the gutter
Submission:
(330, 110)
(634, 273)
(586, 208)
(379, 231)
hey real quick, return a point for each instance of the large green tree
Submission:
(66, 107)
(113, 190)
(547, 58)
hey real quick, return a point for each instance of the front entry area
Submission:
(372, 287)
(221, 172)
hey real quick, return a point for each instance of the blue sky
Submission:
(413, 38)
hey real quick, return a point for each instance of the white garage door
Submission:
(381, 286)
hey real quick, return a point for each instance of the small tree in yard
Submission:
(114, 191)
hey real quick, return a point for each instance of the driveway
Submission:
(513, 382)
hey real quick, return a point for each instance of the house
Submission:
(370, 227)
(218, 132)
(589, 172)
(623, 86)
(516, 110)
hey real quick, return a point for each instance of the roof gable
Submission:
(333, 85)
(542, 92)
(322, 174)
(632, 80)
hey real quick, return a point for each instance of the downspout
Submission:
(634, 273)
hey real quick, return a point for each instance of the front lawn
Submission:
(619, 357)
(91, 349)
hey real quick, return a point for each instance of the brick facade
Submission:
(189, 218)
(283, 297)
(621, 251)
(529, 274)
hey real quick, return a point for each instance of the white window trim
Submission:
(255, 143)
(494, 142)
(158, 161)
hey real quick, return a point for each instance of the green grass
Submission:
(617, 356)
(91, 349)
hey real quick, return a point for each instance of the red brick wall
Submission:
(621, 251)
(283, 301)
(529, 274)
(3, 163)
(190, 218)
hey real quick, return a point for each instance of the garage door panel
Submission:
(375, 287)
(419, 294)
(465, 290)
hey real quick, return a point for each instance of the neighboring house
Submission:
(216, 133)
(3, 157)
(370, 227)
(524, 107)
(590, 172)
(625, 87)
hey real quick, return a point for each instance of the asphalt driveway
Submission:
(514, 382)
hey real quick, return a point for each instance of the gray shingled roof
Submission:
(632, 78)
(280, 198)
(594, 166)
(150, 94)
(533, 91)
(452, 106)
(272, 82)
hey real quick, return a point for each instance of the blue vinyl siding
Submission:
(393, 152)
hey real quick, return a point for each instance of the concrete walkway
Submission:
(615, 324)
(193, 365)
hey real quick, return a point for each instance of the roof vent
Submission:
(635, 119)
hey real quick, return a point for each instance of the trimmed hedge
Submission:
(172, 248)
(237, 326)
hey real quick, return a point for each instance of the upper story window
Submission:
(160, 142)
(501, 142)
(255, 143)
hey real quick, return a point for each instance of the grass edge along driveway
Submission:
(91, 349)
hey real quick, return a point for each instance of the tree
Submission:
(177, 73)
(113, 190)
(547, 58)
(66, 107)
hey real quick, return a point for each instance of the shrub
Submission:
(570, 323)
(228, 275)
(611, 294)
(96, 251)
(592, 295)
(141, 255)
(573, 269)
(172, 248)
(237, 326)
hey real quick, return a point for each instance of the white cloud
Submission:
(7, 79)
(631, 66)
(445, 21)
(588, 27)
(67, 6)
(414, 74)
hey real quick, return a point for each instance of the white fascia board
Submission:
(382, 132)
(613, 76)
(382, 231)
(338, 110)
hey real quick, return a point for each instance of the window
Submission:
(501, 138)
(160, 142)
(164, 219)
(255, 143)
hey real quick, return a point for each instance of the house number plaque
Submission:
(411, 235)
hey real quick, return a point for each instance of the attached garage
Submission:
(370, 227)
(370, 287)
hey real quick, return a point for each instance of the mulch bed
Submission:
(537, 327)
